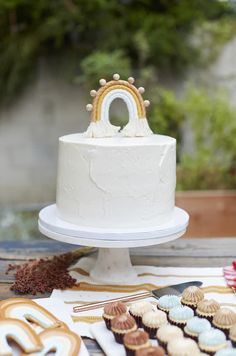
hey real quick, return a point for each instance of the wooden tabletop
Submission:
(214, 252)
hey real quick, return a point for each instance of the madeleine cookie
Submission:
(29, 312)
(62, 342)
(19, 332)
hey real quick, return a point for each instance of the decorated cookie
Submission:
(9, 301)
(19, 332)
(62, 342)
(100, 125)
(30, 313)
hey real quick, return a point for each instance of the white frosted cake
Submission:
(116, 180)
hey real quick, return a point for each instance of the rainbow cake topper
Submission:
(100, 125)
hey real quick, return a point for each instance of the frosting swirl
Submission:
(116, 308)
(226, 352)
(139, 308)
(151, 351)
(197, 325)
(224, 317)
(167, 332)
(182, 346)
(168, 301)
(208, 306)
(192, 295)
(212, 337)
(181, 313)
(154, 319)
(138, 337)
(123, 322)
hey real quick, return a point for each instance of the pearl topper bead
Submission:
(102, 82)
(89, 107)
(146, 103)
(141, 90)
(131, 80)
(93, 92)
(116, 76)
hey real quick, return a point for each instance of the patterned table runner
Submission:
(214, 286)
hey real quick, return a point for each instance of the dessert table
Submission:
(202, 252)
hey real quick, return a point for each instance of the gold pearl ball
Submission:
(146, 103)
(102, 82)
(89, 107)
(131, 80)
(93, 92)
(116, 76)
(141, 90)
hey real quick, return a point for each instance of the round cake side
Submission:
(116, 182)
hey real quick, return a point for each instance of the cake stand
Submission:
(113, 264)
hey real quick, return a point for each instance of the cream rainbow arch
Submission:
(100, 125)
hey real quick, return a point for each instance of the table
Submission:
(214, 252)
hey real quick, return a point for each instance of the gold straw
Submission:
(96, 305)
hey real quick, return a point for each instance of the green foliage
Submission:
(101, 64)
(211, 164)
(137, 33)
(213, 121)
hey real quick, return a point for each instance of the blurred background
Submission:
(52, 53)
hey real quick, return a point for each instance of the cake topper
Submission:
(100, 125)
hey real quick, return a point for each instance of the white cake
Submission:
(116, 182)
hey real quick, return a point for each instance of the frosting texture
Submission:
(116, 182)
(197, 325)
(192, 295)
(181, 313)
(206, 306)
(139, 308)
(212, 337)
(168, 301)
(182, 346)
(168, 332)
(154, 319)
(224, 317)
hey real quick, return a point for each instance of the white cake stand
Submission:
(113, 265)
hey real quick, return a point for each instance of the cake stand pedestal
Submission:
(113, 264)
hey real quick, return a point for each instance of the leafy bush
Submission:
(211, 164)
(137, 33)
(213, 121)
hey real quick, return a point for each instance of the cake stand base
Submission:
(113, 264)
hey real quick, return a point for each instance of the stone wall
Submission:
(29, 132)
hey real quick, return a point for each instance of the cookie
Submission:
(21, 333)
(62, 342)
(30, 313)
